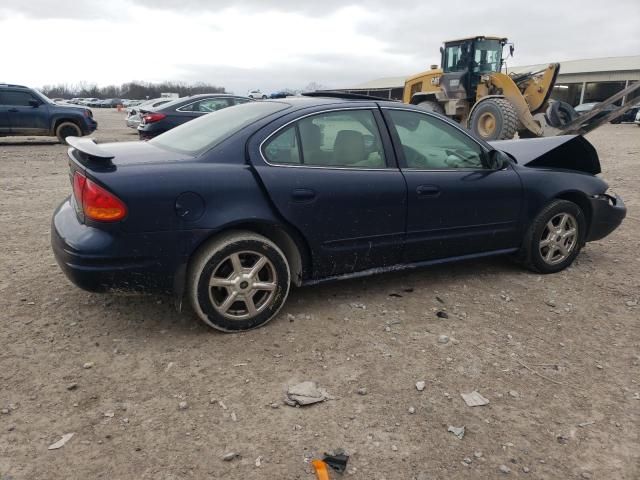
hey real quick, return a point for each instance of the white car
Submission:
(87, 101)
(256, 94)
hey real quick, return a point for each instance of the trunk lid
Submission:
(570, 152)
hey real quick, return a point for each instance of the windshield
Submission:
(43, 97)
(204, 133)
(488, 56)
(485, 57)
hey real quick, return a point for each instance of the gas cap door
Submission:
(189, 206)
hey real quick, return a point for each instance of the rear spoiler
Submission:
(89, 148)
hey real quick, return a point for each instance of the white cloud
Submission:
(286, 43)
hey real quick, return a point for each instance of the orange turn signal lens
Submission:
(322, 471)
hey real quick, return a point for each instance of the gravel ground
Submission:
(557, 356)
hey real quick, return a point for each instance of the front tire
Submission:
(67, 129)
(238, 281)
(555, 237)
(432, 106)
(494, 119)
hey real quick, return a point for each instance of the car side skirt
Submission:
(407, 266)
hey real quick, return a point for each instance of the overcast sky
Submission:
(274, 44)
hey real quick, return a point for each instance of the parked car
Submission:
(25, 111)
(280, 94)
(256, 94)
(584, 108)
(630, 115)
(231, 208)
(110, 103)
(133, 112)
(155, 121)
(90, 102)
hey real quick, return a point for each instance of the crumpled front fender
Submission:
(570, 152)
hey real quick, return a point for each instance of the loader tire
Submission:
(432, 106)
(494, 119)
(560, 113)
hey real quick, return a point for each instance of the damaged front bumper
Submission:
(607, 213)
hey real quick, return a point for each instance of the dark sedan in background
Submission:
(234, 207)
(155, 121)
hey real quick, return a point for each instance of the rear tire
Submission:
(238, 281)
(560, 113)
(432, 106)
(494, 119)
(67, 129)
(554, 238)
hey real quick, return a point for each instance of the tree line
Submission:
(131, 90)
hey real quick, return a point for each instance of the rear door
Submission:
(24, 118)
(333, 176)
(456, 204)
(4, 115)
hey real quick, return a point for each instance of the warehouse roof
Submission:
(386, 82)
(588, 65)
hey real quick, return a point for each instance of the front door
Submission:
(457, 205)
(27, 114)
(333, 176)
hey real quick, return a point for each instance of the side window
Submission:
(211, 105)
(238, 100)
(282, 149)
(17, 99)
(429, 143)
(348, 138)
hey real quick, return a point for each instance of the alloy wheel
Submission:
(559, 238)
(242, 285)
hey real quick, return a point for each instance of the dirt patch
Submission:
(558, 358)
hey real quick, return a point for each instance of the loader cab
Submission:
(464, 61)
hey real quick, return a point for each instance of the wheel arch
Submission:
(580, 199)
(290, 241)
(56, 121)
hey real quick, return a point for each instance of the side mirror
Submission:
(441, 50)
(497, 160)
(34, 103)
(511, 49)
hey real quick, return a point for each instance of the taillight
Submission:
(153, 117)
(97, 203)
(78, 186)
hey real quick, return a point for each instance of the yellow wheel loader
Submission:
(470, 87)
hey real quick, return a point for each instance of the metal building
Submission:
(579, 81)
(593, 79)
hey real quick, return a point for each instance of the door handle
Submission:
(13, 110)
(303, 194)
(428, 190)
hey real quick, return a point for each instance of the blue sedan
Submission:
(231, 209)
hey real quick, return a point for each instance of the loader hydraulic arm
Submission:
(537, 89)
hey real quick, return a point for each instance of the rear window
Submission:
(204, 133)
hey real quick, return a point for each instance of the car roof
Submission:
(184, 100)
(318, 100)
